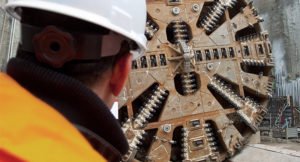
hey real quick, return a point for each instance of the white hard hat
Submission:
(126, 17)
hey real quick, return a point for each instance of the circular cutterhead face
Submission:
(203, 86)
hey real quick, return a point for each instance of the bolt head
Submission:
(210, 67)
(196, 7)
(176, 10)
(167, 128)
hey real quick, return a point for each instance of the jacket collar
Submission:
(74, 100)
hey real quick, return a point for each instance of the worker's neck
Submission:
(104, 92)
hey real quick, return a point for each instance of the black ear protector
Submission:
(54, 47)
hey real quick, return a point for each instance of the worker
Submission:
(73, 60)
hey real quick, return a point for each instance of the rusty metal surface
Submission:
(202, 88)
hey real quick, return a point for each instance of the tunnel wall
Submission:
(9, 36)
(282, 20)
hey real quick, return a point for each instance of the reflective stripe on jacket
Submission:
(31, 130)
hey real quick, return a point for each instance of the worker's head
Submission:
(92, 41)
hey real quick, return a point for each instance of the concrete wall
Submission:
(2, 2)
(9, 36)
(282, 20)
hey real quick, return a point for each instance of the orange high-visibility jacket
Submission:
(31, 130)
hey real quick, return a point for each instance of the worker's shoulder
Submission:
(32, 127)
(12, 93)
(6, 80)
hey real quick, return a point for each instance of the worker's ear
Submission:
(120, 73)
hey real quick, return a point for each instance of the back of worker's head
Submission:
(80, 38)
